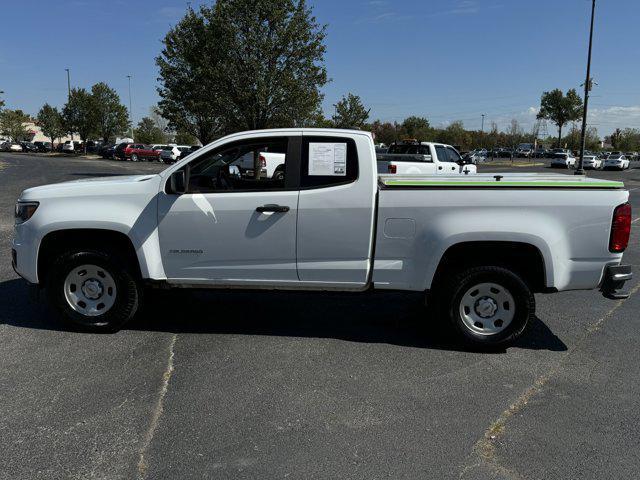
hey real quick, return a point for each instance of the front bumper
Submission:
(614, 280)
(24, 250)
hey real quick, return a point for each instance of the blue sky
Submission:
(444, 59)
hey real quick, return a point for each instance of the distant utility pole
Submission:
(68, 92)
(130, 111)
(587, 88)
(482, 132)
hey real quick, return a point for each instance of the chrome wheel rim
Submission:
(90, 290)
(487, 308)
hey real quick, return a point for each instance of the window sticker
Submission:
(328, 159)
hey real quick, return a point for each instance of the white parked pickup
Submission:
(477, 246)
(423, 158)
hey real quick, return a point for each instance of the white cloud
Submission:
(460, 7)
(606, 120)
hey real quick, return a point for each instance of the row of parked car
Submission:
(167, 153)
(593, 161)
(137, 152)
(483, 155)
(33, 147)
(44, 147)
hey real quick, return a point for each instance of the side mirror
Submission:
(427, 158)
(178, 183)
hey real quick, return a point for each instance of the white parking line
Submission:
(634, 221)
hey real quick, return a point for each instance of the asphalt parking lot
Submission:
(279, 385)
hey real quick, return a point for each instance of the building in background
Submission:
(34, 134)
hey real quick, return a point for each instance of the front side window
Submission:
(256, 164)
(453, 155)
(441, 151)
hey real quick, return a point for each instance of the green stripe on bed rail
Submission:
(419, 183)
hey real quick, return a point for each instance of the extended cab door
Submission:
(233, 227)
(338, 185)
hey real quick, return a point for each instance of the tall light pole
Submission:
(68, 92)
(130, 111)
(587, 89)
(68, 84)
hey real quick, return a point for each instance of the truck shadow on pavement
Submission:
(391, 318)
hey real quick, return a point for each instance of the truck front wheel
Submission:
(93, 290)
(488, 306)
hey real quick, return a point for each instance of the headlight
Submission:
(25, 210)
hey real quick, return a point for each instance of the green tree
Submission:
(185, 138)
(161, 122)
(627, 140)
(455, 134)
(78, 114)
(515, 133)
(111, 117)
(560, 108)
(316, 120)
(572, 140)
(242, 64)
(386, 132)
(416, 127)
(493, 137)
(350, 112)
(148, 132)
(50, 121)
(592, 140)
(615, 138)
(12, 124)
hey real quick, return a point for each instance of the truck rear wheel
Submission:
(93, 290)
(488, 306)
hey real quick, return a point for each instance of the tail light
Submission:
(392, 168)
(263, 161)
(620, 228)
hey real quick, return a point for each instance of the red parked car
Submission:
(138, 151)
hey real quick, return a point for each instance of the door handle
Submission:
(272, 208)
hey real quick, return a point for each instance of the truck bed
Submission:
(567, 218)
(495, 180)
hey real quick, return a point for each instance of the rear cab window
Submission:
(328, 161)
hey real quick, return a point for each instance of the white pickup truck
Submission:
(423, 158)
(478, 246)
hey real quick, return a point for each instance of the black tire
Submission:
(457, 286)
(279, 175)
(134, 157)
(127, 296)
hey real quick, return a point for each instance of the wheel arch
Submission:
(525, 259)
(58, 241)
